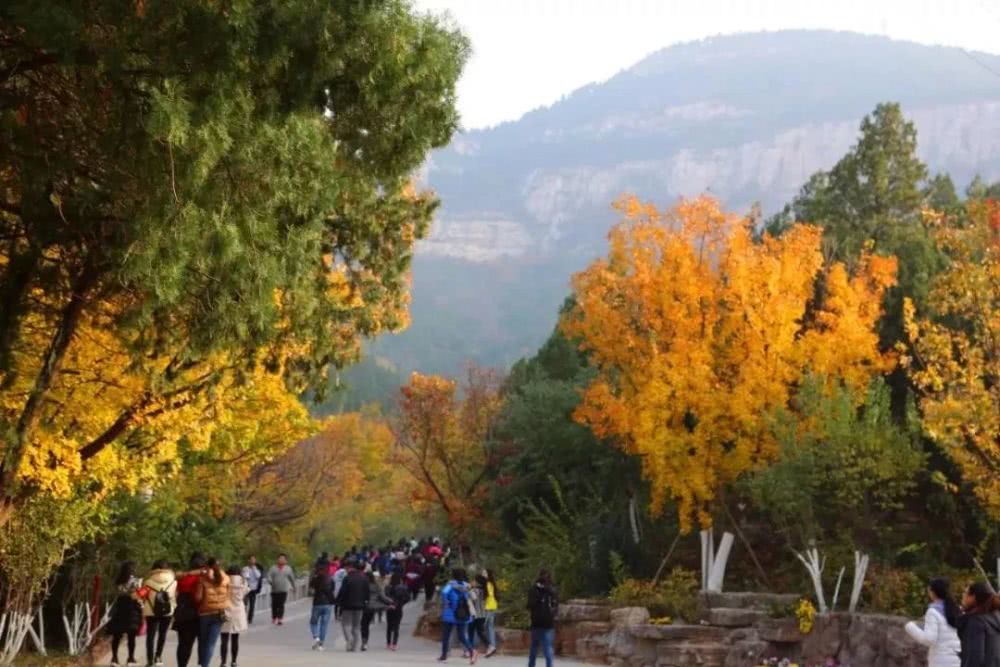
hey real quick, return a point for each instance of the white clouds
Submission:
(529, 53)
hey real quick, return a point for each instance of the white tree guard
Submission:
(860, 570)
(719, 561)
(836, 590)
(814, 565)
(14, 627)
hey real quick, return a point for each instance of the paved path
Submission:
(265, 645)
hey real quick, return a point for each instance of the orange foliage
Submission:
(443, 441)
(697, 330)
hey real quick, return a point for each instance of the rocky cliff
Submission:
(746, 117)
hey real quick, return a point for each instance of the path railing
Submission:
(299, 591)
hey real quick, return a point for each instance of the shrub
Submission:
(676, 596)
(895, 591)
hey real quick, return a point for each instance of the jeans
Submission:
(227, 639)
(478, 629)
(278, 606)
(211, 628)
(187, 635)
(251, 603)
(491, 628)
(350, 620)
(393, 619)
(156, 635)
(463, 636)
(319, 621)
(545, 639)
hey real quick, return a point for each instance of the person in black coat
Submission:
(126, 614)
(979, 627)
(352, 600)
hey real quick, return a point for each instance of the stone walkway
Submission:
(265, 645)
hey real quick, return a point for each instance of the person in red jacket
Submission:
(187, 623)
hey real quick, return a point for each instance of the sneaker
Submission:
(364, 647)
(281, 621)
(114, 663)
(159, 662)
(443, 658)
(132, 663)
(316, 644)
(474, 657)
(491, 651)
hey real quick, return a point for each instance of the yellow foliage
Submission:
(110, 422)
(955, 359)
(698, 332)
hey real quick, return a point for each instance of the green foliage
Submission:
(34, 542)
(617, 567)
(873, 198)
(538, 441)
(675, 596)
(843, 470)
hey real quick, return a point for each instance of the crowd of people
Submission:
(210, 606)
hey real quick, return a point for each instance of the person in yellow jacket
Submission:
(491, 606)
(213, 604)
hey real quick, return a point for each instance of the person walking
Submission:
(126, 612)
(456, 615)
(543, 604)
(378, 602)
(478, 595)
(253, 575)
(213, 604)
(979, 627)
(492, 606)
(282, 580)
(338, 581)
(939, 633)
(352, 600)
(322, 604)
(236, 622)
(187, 625)
(159, 599)
(400, 595)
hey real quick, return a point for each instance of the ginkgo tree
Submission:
(699, 332)
(954, 353)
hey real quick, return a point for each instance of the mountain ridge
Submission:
(747, 117)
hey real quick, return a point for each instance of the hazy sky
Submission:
(529, 53)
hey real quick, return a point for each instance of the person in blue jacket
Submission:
(456, 615)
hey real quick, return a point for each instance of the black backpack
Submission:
(462, 606)
(161, 604)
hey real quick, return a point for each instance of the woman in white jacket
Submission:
(236, 616)
(939, 634)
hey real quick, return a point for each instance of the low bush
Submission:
(675, 596)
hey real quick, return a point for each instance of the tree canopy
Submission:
(190, 191)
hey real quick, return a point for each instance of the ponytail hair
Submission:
(216, 568)
(941, 588)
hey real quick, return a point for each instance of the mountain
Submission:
(747, 117)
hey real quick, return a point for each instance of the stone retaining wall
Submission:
(736, 630)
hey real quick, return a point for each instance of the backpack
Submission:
(462, 612)
(544, 606)
(161, 604)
